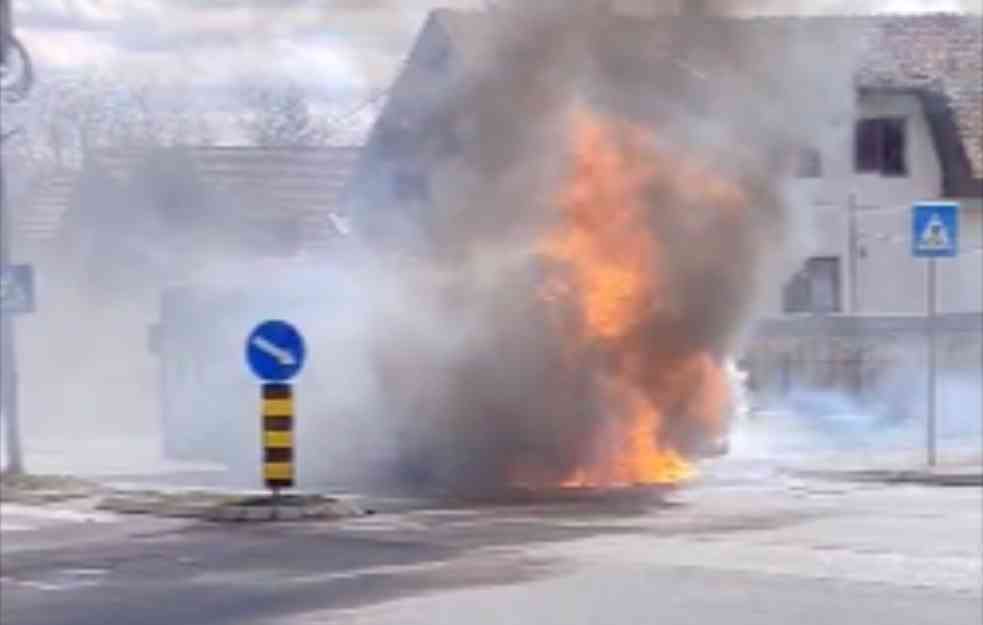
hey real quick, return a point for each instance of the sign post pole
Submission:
(8, 352)
(275, 352)
(15, 83)
(278, 439)
(934, 235)
(930, 443)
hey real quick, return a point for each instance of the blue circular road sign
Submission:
(275, 351)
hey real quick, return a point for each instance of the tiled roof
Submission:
(938, 55)
(263, 183)
(269, 183)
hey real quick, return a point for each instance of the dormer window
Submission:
(881, 146)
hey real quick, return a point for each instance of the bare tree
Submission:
(69, 118)
(70, 115)
(280, 115)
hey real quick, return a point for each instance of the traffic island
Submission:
(285, 508)
(23, 488)
(219, 507)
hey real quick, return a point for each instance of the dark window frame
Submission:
(881, 146)
(800, 293)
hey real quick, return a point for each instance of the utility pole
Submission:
(931, 317)
(15, 81)
(8, 357)
(854, 254)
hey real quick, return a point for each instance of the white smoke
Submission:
(890, 418)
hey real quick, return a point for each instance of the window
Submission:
(810, 164)
(881, 146)
(411, 187)
(815, 289)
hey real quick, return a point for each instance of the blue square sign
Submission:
(935, 230)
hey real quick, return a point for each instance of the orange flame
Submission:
(604, 243)
(634, 456)
(611, 269)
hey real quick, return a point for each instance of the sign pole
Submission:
(278, 437)
(8, 353)
(932, 294)
(854, 255)
(13, 90)
(934, 235)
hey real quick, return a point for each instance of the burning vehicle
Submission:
(675, 398)
(606, 363)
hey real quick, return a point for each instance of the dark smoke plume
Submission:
(482, 385)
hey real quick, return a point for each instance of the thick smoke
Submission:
(472, 371)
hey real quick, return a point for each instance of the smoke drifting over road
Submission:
(492, 383)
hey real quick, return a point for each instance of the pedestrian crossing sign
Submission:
(935, 230)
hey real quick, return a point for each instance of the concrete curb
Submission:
(41, 490)
(884, 476)
(219, 507)
(270, 512)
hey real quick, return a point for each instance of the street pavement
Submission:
(748, 544)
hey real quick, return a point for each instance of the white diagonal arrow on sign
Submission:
(283, 356)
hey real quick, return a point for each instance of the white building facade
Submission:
(853, 218)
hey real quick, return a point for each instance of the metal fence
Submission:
(863, 358)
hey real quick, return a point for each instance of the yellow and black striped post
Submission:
(278, 436)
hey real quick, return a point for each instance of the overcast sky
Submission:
(342, 50)
(340, 44)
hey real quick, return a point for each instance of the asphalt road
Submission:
(747, 546)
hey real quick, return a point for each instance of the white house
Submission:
(911, 131)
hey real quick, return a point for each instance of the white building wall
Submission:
(960, 280)
(888, 279)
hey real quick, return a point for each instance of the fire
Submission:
(603, 241)
(610, 269)
(634, 456)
